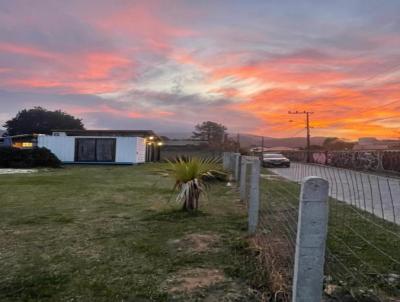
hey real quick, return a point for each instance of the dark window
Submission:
(95, 149)
(105, 149)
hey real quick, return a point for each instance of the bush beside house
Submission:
(27, 158)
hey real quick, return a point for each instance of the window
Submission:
(95, 149)
(27, 144)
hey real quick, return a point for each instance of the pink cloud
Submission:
(25, 50)
(83, 72)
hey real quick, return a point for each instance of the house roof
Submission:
(20, 137)
(139, 133)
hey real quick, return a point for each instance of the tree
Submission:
(212, 132)
(329, 141)
(316, 148)
(42, 121)
(336, 144)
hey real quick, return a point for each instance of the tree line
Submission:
(42, 121)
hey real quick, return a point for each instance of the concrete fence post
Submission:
(254, 200)
(225, 160)
(237, 167)
(231, 161)
(311, 238)
(380, 161)
(243, 178)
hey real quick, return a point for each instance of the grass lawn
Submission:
(114, 233)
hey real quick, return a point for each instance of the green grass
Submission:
(361, 246)
(103, 233)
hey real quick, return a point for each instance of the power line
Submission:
(297, 132)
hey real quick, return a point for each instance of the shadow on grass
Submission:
(33, 286)
(173, 215)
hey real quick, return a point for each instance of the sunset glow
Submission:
(167, 65)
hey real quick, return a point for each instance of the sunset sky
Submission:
(167, 65)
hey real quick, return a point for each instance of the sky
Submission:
(168, 65)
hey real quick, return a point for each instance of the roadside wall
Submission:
(380, 161)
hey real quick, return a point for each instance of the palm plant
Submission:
(192, 176)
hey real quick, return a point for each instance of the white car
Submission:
(275, 160)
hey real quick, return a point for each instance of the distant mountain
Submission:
(248, 140)
(176, 135)
(2, 132)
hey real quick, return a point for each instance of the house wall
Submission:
(125, 150)
(140, 150)
(62, 146)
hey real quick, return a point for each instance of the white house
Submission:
(101, 146)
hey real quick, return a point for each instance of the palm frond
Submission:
(190, 176)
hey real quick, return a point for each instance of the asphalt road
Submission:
(375, 194)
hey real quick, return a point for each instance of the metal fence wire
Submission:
(363, 247)
(276, 236)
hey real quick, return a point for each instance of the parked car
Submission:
(275, 160)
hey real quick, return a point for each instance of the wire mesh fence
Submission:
(363, 248)
(375, 194)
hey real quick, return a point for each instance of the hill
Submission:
(249, 140)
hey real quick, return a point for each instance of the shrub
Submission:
(27, 158)
(191, 175)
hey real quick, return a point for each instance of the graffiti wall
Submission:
(358, 160)
(297, 156)
(391, 161)
(340, 159)
(366, 161)
(319, 158)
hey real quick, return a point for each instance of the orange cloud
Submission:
(335, 111)
(274, 74)
(331, 86)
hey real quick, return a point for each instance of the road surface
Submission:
(375, 194)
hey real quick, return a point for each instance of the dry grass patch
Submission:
(197, 243)
(275, 255)
(189, 280)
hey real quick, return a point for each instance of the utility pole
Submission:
(307, 113)
(238, 143)
(262, 146)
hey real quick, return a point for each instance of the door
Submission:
(85, 149)
(95, 150)
(105, 149)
